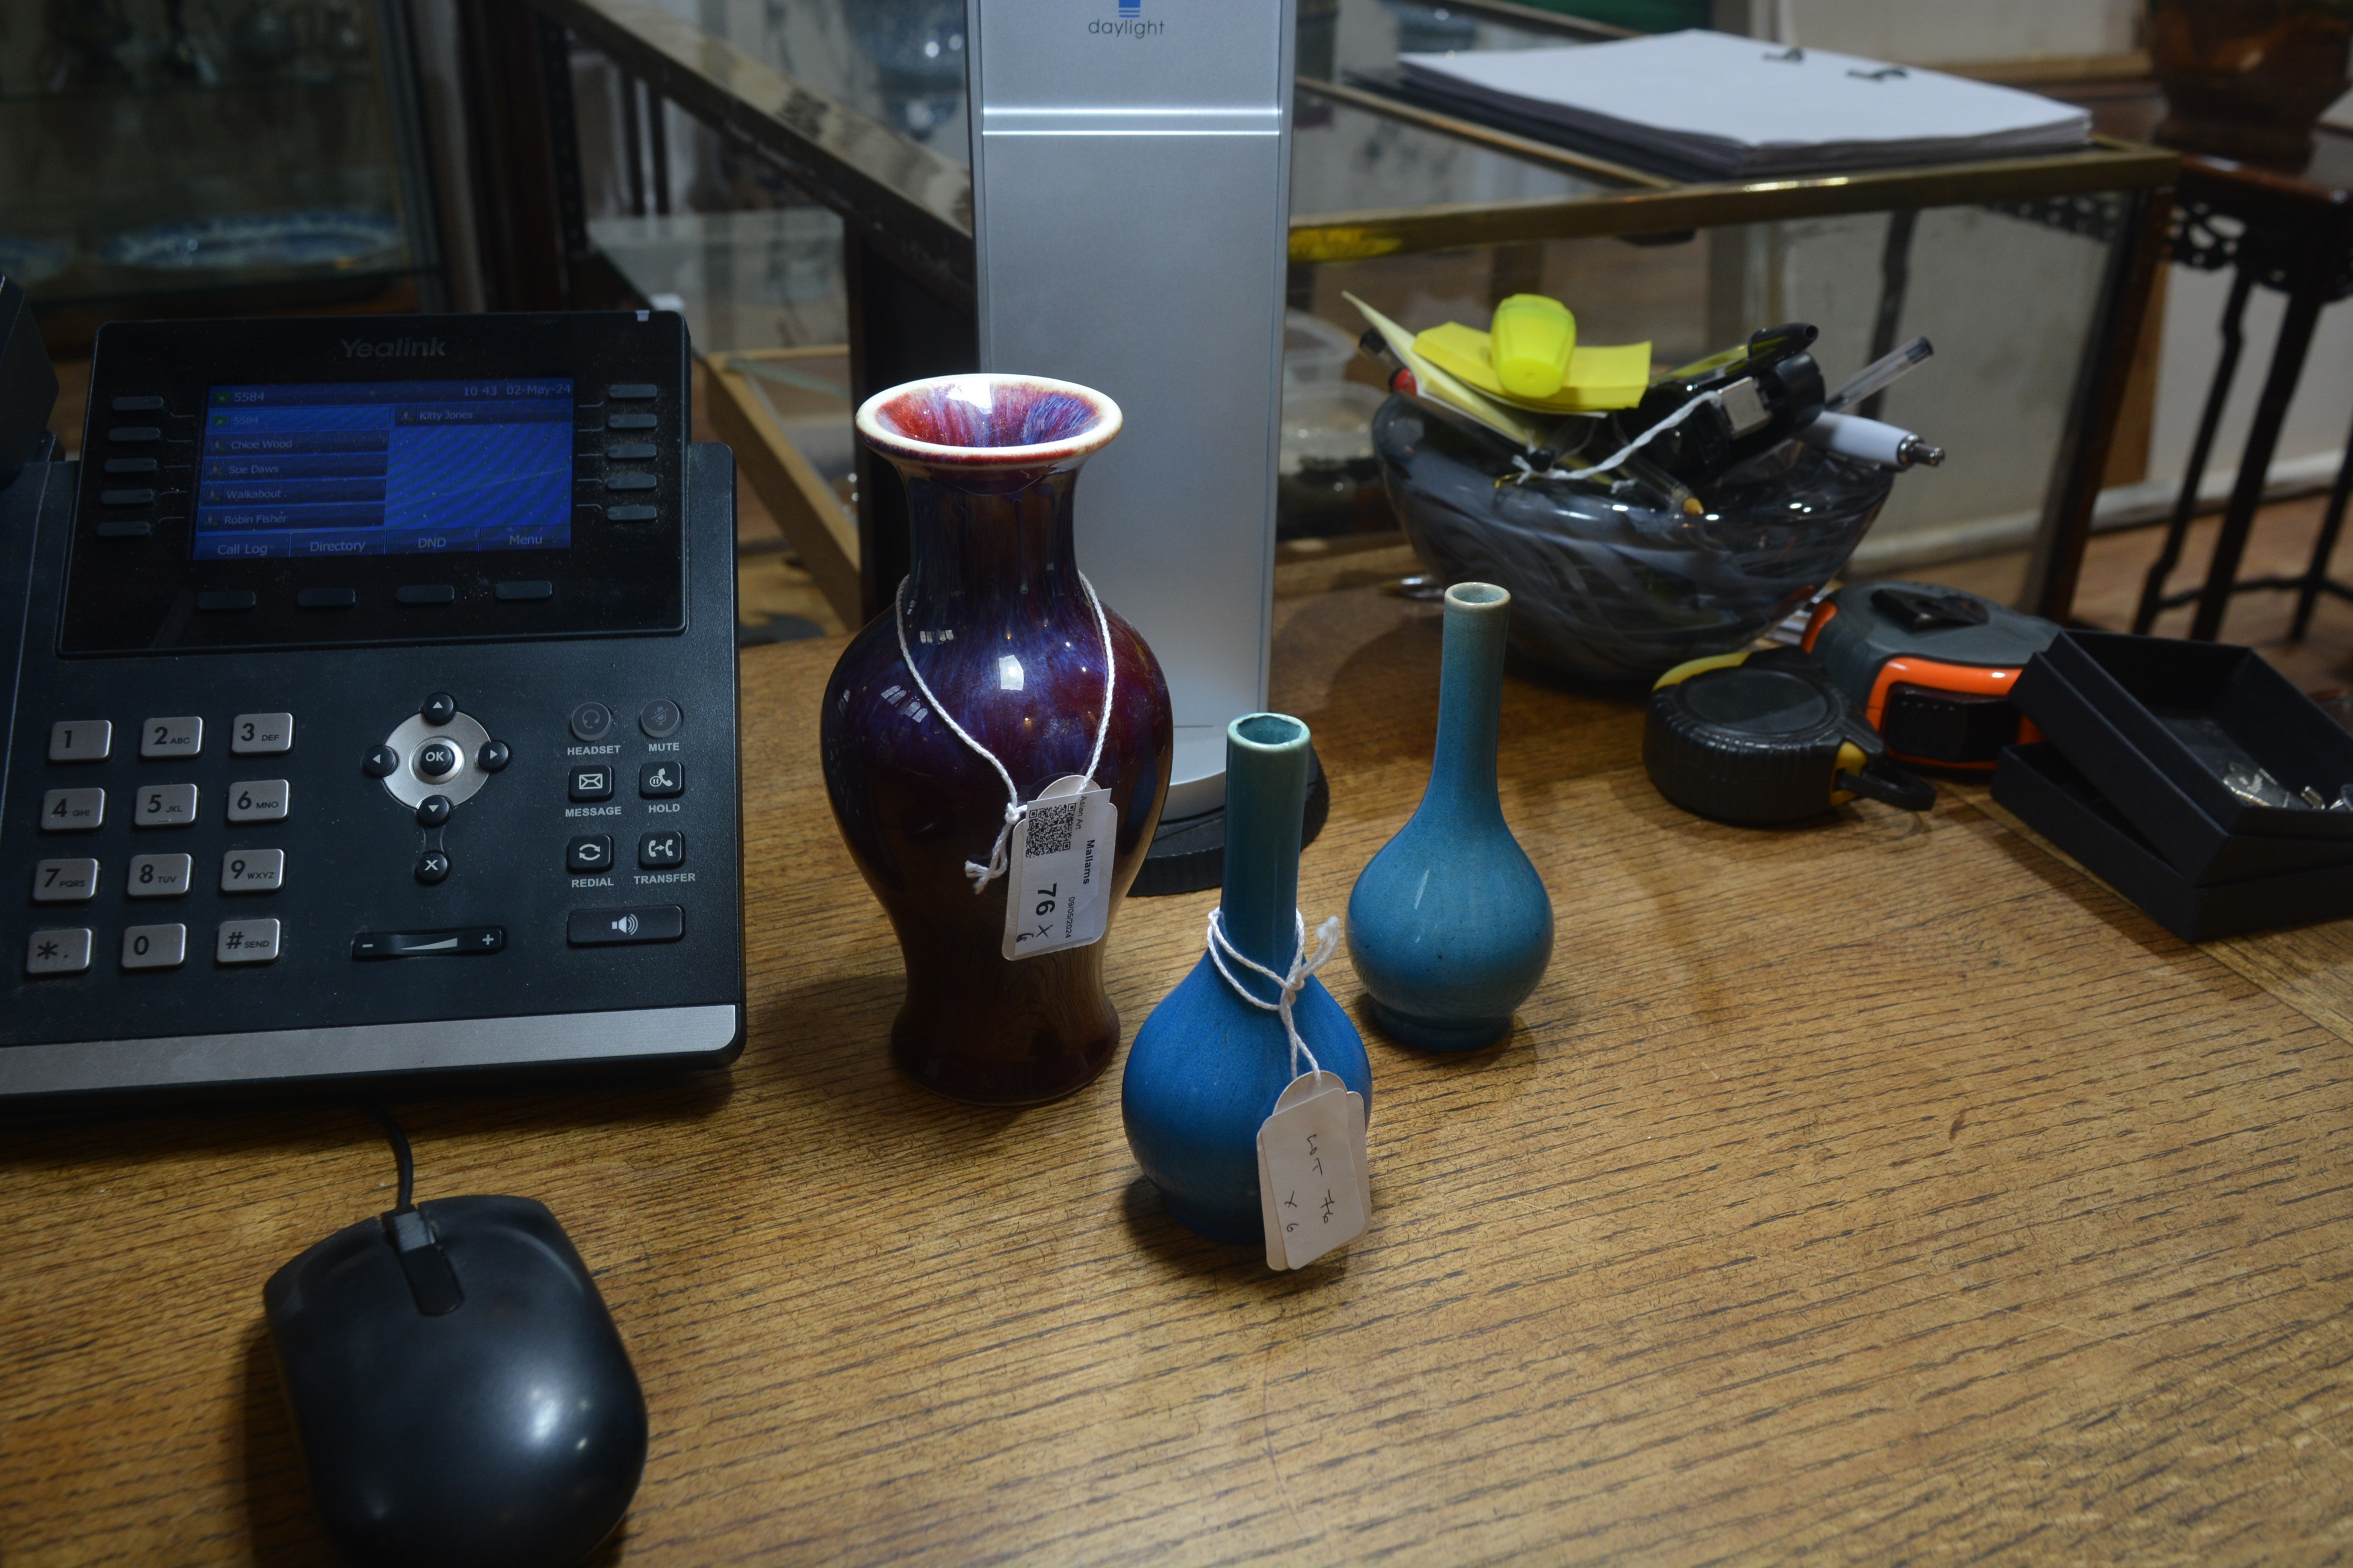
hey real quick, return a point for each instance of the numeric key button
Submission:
(660, 780)
(181, 737)
(163, 806)
(155, 947)
(262, 734)
(58, 952)
(253, 871)
(158, 876)
(246, 941)
(73, 810)
(81, 741)
(258, 800)
(589, 852)
(64, 881)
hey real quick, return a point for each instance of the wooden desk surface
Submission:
(1883, 1189)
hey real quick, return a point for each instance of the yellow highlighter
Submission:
(1531, 343)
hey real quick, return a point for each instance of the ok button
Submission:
(438, 761)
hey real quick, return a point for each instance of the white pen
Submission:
(1852, 436)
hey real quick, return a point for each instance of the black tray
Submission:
(2160, 810)
(2058, 802)
(2188, 707)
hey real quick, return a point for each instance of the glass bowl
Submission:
(1621, 583)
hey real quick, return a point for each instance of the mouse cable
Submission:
(400, 1153)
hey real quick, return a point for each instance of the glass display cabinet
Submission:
(2031, 275)
(163, 157)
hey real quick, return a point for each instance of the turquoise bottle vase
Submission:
(1450, 928)
(1206, 1065)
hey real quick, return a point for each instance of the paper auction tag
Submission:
(1314, 1189)
(1058, 870)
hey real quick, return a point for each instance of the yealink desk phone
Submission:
(372, 708)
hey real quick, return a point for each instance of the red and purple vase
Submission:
(1004, 633)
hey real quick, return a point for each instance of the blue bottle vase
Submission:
(1206, 1065)
(1450, 927)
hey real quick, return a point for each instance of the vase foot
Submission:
(996, 1084)
(1433, 1034)
(1216, 1227)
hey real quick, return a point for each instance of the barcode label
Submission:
(1051, 828)
(1058, 887)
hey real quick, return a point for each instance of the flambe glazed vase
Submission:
(1206, 1065)
(1005, 635)
(1450, 927)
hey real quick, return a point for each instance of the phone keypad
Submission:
(262, 734)
(164, 805)
(162, 738)
(158, 876)
(65, 881)
(258, 800)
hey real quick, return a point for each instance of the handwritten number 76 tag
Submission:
(1057, 872)
(1314, 1190)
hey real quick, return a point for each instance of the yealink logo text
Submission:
(396, 348)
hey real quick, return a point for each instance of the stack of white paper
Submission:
(1737, 107)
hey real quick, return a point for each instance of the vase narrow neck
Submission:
(1266, 794)
(1470, 710)
(988, 554)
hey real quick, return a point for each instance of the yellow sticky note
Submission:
(1600, 375)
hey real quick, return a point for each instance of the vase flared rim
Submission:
(897, 445)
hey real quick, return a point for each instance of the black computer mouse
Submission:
(461, 1394)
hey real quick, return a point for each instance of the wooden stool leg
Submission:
(2185, 506)
(2271, 412)
(2309, 595)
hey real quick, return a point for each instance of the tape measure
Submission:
(1763, 738)
(1931, 668)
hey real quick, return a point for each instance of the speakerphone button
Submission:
(633, 513)
(589, 852)
(661, 718)
(262, 734)
(126, 497)
(158, 876)
(178, 737)
(246, 941)
(529, 589)
(224, 598)
(439, 708)
(135, 432)
(139, 404)
(58, 952)
(81, 741)
(155, 947)
(602, 928)
(130, 465)
(64, 881)
(163, 806)
(327, 598)
(631, 391)
(433, 810)
(629, 422)
(592, 721)
(425, 594)
(73, 810)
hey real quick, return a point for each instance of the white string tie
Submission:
(1015, 809)
(1304, 965)
(1622, 453)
